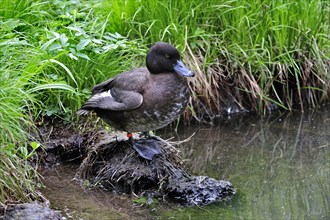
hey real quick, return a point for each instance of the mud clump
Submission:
(112, 164)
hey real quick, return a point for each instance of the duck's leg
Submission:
(146, 148)
(145, 134)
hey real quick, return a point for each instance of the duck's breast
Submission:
(165, 98)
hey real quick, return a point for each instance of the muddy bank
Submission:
(114, 165)
(108, 161)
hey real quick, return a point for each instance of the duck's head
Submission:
(163, 57)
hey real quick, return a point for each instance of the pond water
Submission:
(279, 164)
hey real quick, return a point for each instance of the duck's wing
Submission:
(133, 80)
(102, 86)
(121, 93)
(115, 100)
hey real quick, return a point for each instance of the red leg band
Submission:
(129, 135)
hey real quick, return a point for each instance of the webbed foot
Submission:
(146, 148)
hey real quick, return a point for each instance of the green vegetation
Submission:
(253, 53)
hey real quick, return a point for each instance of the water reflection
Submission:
(76, 202)
(279, 164)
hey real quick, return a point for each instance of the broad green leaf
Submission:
(83, 43)
(82, 55)
(55, 46)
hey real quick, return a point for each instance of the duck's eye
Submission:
(167, 56)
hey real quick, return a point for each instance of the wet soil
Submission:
(78, 201)
(107, 160)
(104, 163)
(114, 165)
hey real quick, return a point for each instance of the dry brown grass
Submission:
(226, 87)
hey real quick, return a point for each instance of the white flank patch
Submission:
(101, 95)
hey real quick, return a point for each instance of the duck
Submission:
(143, 99)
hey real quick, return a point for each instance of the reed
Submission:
(253, 54)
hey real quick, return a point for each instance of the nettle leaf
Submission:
(79, 31)
(53, 76)
(10, 25)
(65, 16)
(73, 56)
(50, 112)
(74, 12)
(122, 43)
(116, 35)
(14, 41)
(110, 47)
(82, 44)
(98, 50)
(115, 38)
(47, 44)
(199, 31)
(82, 55)
(193, 45)
(109, 38)
(81, 15)
(55, 46)
(97, 41)
(64, 40)
(53, 34)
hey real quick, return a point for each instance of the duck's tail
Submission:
(82, 112)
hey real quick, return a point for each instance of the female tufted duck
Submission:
(143, 99)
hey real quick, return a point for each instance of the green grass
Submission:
(17, 177)
(269, 52)
(51, 55)
(255, 54)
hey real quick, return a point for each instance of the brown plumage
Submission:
(143, 99)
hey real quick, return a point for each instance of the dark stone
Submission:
(28, 211)
(200, 190)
